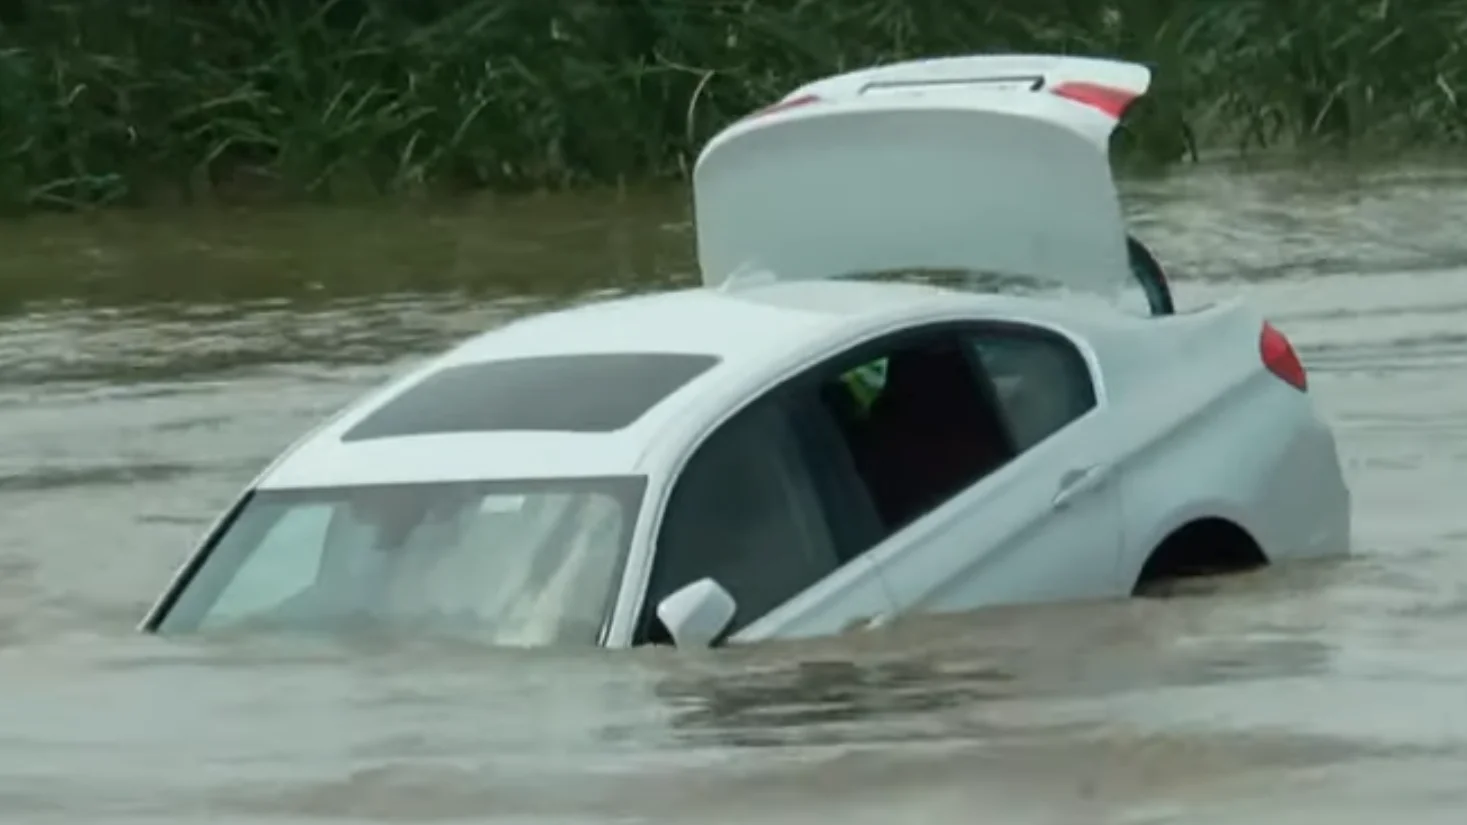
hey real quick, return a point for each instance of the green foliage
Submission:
(116, 101)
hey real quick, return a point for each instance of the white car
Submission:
(793, 449)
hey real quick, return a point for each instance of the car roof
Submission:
(748, 329)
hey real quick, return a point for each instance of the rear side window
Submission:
(558, 393)
(1041, 379)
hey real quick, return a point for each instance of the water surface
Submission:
(151, 364)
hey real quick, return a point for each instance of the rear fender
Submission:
(1214, 434)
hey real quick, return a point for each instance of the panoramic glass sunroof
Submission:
(557, 393)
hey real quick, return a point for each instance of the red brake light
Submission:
(1280, 359)
(1107, 99)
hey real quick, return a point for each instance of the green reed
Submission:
(106, 101)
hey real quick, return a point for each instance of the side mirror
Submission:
(697, 614)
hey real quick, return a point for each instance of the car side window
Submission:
(744, 512)
(1040, 379)
(914, 422)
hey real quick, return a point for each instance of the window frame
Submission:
(848, 355)
(644, 617)
(196, 560)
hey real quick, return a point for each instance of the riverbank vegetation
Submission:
(104, 101)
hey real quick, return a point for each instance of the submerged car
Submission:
(799, 447)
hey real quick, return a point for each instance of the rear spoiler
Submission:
(1109, 86)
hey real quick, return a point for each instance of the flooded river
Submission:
(150, 365)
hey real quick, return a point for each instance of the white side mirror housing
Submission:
(697, 614)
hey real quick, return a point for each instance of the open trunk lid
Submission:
(994, 164)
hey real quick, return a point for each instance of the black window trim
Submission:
(644, 614)
(195, 562)
(853, 355)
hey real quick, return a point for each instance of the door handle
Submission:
(1077, 482)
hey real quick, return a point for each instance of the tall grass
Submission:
(108, 101)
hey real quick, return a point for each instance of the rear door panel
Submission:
(1005, 540)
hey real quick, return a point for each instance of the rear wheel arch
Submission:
(1207, 545)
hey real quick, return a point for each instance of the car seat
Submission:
(932, 432)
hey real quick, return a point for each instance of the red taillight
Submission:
(1279, 356)
(802, 100)
(1107, 99)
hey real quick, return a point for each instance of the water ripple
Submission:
(136, 405)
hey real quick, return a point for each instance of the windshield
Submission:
(536, 562)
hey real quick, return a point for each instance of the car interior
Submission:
(930, 431)
(787, 493)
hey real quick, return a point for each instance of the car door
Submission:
(745, 510)
(1045, 525)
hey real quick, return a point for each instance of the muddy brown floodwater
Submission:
(149, 365)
